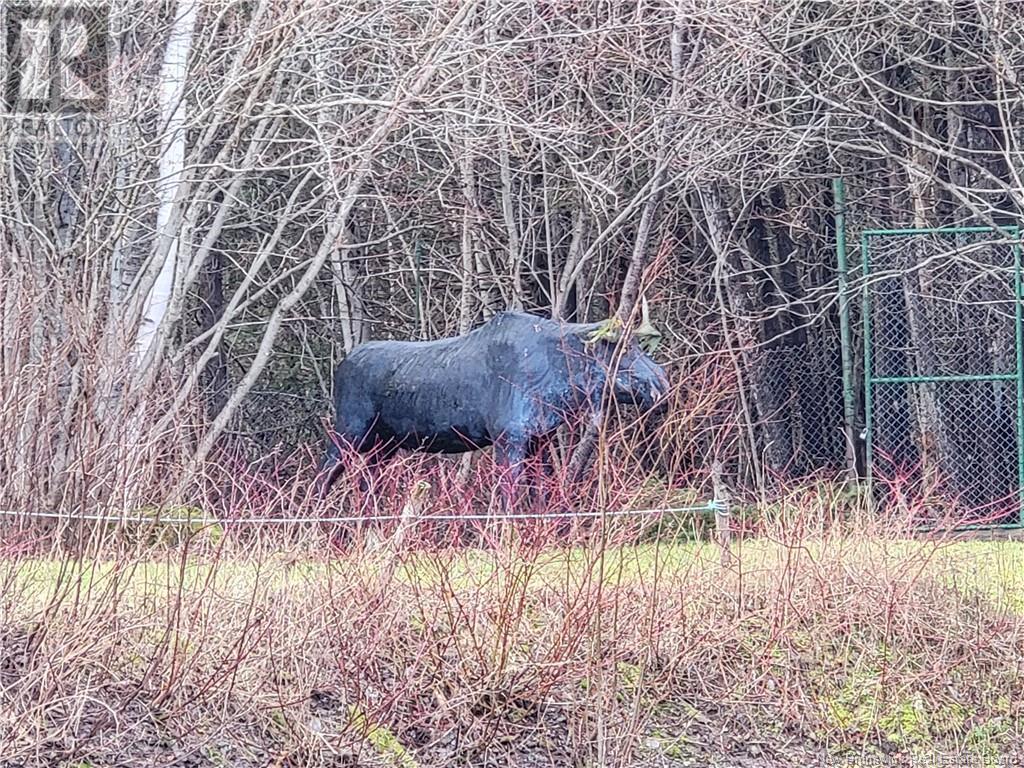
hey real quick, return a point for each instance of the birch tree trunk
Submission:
(346, 290)
(468, 241)
(168, 250)
(344, 269)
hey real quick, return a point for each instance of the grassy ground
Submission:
(237, 655)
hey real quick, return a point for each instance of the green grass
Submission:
(994, 569)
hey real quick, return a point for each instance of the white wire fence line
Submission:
(717, 506)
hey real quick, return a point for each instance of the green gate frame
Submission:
(870, 379)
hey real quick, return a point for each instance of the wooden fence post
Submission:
(723, 514)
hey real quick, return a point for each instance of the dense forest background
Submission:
(271, 182)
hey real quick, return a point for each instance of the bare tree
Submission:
(269, 174)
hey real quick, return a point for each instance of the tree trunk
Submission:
(735, 272)
(933, 439)
(346, 290)
(215, 374)
(170, 179)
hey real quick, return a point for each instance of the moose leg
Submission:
(330, 468)
(375, 458)
(352, 432)
(546, 495)
(549, 496)
(510, 456)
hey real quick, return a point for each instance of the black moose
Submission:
(508, 383)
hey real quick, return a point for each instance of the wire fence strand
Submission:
(711, 506)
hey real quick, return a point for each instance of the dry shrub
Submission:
(243, 651)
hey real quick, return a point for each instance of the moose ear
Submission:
(607, 330)
(648, 336)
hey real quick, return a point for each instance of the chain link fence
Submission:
(942, 369)
(801, 407)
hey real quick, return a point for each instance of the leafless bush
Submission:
(238, 648)
(320, 175)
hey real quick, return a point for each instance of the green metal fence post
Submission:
(865, 261)
(846, 344)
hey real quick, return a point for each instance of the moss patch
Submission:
(381, 739)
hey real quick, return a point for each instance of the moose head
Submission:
(635, 378)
